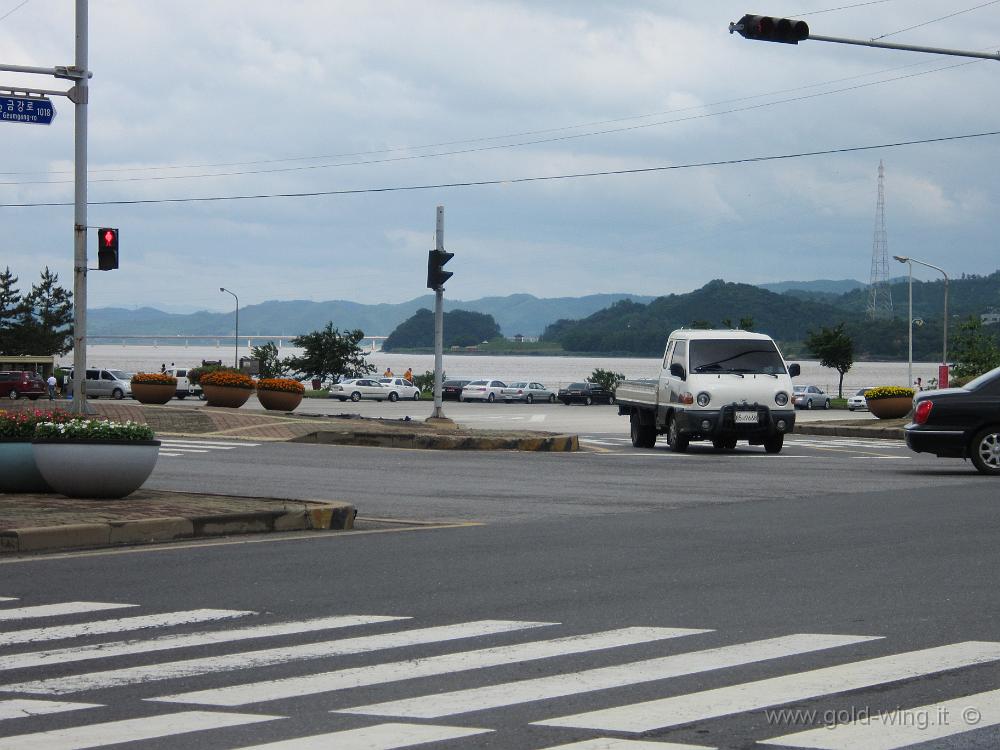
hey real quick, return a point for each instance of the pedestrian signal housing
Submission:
(107, 249)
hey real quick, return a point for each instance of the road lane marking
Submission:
(615, 743)
(122, 624)
(23, 708)
(603, 678)
(902, 727)
(750, 696)
(265, 657)
(378, 737)
(378, 674)
(128, 730)
(55, 610)
(185, 640)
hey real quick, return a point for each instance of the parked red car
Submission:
(17, 383)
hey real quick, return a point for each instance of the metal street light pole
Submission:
(236, 358)
(909, 317)
(944, 344)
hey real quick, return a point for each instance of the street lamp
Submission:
(943, 371)
(236, 360)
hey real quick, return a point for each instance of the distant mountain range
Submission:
(516, 313)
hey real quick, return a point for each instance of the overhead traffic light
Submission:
(107, 249)
(770, 29)
(436, 276)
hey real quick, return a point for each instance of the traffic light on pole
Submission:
(770, 29)
(107, 249)
(436, 276)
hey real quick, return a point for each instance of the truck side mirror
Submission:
(677, 370)
(794, 370)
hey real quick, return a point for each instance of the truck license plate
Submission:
(746, 417)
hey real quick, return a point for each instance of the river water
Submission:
(552, 371)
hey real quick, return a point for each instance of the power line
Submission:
(517, 180)
(842, 7)
(935, 20)
(15, 8)
(478, 139)
(479, 149)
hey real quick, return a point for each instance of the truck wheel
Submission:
(643, 436)
(774, 444)
(985, 451)
(677, 443)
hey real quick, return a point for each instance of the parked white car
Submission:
(359, 388)
(528, 392)
(858, 400)
(400, 388)
(483, 390)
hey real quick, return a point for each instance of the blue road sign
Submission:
(31, 109)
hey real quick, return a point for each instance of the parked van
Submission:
(17, 383)
(184, 387)
(115, 384)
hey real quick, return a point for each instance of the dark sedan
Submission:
(451, 390)
(960, 423)
(585, 393)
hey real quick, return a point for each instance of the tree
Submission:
(461, 328)
(270, 365)
(330, 354)
(607, 379)
(835, 348)
(974, 350)
(10, 310)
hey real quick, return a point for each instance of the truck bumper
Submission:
(710, 424)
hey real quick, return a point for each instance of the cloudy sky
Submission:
(364, 101)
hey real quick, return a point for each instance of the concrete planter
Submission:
(95, 468)
(221, 395)
(279, 400)
(890, 408)
(153, 393)
(18, 471)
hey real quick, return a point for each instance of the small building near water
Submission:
(45, 366)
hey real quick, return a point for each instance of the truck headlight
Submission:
(704, 399)
(781, 398)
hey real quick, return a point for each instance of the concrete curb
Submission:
(544, 443)
(326, 516)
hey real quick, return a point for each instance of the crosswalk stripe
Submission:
(21, 708)
(342, 679)
(8, 598)
(54, 610)
(186, 640)
(378, 737)
(128, 730)
(750, 696)
(901, 728)
(263, 657)
(603, 678)
(122, 624)
(614, 743)
(206, 444)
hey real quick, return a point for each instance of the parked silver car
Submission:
(810, 397)
(528, 392)
(858, 400)
(359, 388)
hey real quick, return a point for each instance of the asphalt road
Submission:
(840, 578)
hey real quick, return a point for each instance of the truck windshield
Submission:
(735, 355)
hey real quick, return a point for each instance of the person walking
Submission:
(51, 382)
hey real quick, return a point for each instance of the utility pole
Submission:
(38, 102)
(436, 277)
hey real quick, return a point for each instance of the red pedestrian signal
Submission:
(770, 29)
(107, 249)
